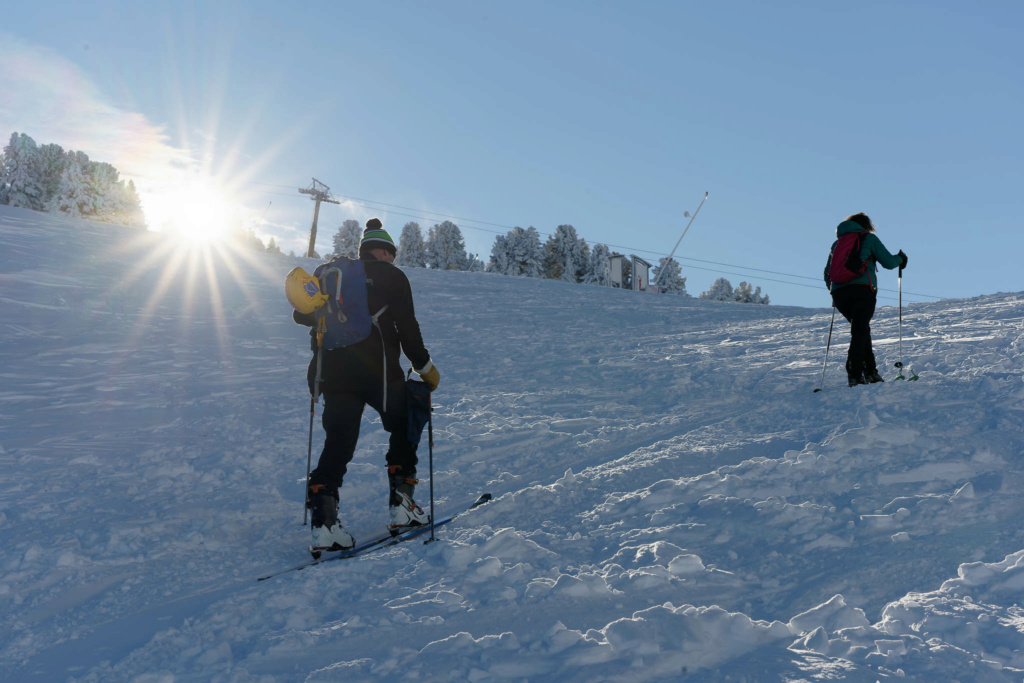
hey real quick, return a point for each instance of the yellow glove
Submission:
(429, 374)
(303, 291)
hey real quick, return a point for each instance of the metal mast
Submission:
(319, 193)
(685, 213)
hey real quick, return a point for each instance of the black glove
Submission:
(903, 259)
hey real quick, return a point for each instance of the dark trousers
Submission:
(342, 415)
(856, 303)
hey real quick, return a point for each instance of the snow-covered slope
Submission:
(670, 495)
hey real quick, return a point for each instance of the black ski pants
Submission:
(342, 415)
(856, 303)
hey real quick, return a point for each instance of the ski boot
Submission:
(853, 378)
(871, 375)
(327, 531)
(404, 510)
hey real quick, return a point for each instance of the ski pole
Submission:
(321, 327)
(430, 450)
(825, 362)
(899, 363)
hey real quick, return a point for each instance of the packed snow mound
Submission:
(671, 497)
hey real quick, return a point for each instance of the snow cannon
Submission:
(303, 291)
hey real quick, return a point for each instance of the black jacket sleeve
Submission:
(403, 314)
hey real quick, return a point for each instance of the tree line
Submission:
(520, 253)
(47, 178)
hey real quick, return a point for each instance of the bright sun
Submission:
(197, 211)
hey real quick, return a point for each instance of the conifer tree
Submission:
(21, 184)
(51, 166)
(411, 250)
(598, 271)
(565, 257)
(445, 248)
(500, 262)
(668, 276)
(720, 290)
(131, 207)
(106, 183)
(746, 294)
(74, 195)
(583, 250)
(525, 252)
(346, 240)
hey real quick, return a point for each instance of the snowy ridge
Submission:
(670, 496)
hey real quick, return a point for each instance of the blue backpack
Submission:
(347, 313)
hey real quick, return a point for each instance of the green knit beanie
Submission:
(375, 236)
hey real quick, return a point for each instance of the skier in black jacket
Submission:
(368, 373)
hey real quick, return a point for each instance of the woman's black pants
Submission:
(856, 303)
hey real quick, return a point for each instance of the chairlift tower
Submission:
(319, 193)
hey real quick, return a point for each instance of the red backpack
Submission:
(846, 264)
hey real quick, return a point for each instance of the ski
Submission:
(899, 369)
(384, 540)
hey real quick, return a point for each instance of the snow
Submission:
(670, 495)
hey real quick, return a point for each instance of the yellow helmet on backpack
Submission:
(303, 291)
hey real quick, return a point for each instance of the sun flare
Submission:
(198, 212)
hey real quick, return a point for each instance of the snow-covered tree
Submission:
(668, 276)
(525, 252)
(21, 184)
(75, 194)
(721, 290)
(566, 255)
(131, 207)
(746, 294)
(346, 240)
(598, 271)
(411, 251)
(106, 187)
(445, 248)
(583, 260)
(475, 264)
(46, 178)
(272, 247)
(51, 166)
(500, 262)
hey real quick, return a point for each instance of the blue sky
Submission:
(614, 117)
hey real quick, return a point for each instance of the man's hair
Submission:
(862, 220)
(364, 250)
